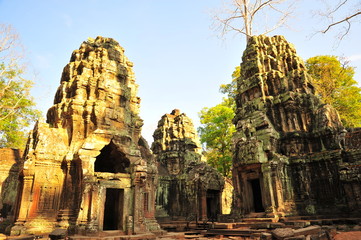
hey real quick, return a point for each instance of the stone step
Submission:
(195, 236)
(320, 221)
(145, 236)
(258, 219)
(26, 237)
(172, 235)
(233, 232)
(193, 233)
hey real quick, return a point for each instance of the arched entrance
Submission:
(111, 160)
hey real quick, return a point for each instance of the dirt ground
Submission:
(349, 236)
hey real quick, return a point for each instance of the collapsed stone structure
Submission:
(292, 154)
(88, 168)
(188, 187)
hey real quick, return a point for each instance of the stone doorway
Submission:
(257, 195)
(113, 209)
(213, 205)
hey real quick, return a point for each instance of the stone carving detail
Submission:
(88, 168)
(288, 143)
(188, 187)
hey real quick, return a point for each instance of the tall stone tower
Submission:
(87, 168)
(188, 187)
(288, 144)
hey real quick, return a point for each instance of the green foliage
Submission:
(231, 88)
(216, 134)
(16, 104)
(217, 128)
(334, 83)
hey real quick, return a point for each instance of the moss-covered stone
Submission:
(288, 143)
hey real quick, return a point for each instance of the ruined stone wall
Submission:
(350, 169)
(288, 143)
(188, 187)
(90, 153)
(11, 164)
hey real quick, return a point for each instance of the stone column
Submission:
(268, 192)
(203, 204)
(65, 211)
(277, 188)
(138, 212)
(93, 208)
(24, 203)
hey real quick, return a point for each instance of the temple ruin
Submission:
(87, 168)
(11, 164)
(292, 154)
(188, 187)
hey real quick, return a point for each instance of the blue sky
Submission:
(178, 60)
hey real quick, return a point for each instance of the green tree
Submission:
(216, 134)
(334, 83)
(16, 104)
(217, 128)
(231, 88)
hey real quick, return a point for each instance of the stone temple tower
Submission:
(87, 168)
(289, 146)
(188, 187)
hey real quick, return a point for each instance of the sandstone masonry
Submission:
(88, 168)
(292, 155)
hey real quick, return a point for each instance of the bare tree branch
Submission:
(336, 12)
(241, 15)
(346, 19)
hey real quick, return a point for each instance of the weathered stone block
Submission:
(266, 236)
(308, 230)
(282, 233)
(58, 234)
(301, 237)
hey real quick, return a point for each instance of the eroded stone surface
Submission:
(188, 187)
(288, 145)
(88, 168)
(11, 163)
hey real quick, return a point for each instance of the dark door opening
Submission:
(113, 209)
(257, 195)
(213, 206)
(111, 160)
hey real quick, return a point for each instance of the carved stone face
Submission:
(174, 166)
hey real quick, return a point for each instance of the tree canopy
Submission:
(17, 110)
(216, 133)
(334, 83)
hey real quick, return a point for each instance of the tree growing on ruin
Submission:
(17, 110)
(250, 17)
(334, 82)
